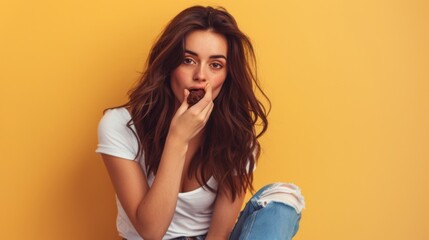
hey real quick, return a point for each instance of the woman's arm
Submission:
(151, 210)
(224, 215)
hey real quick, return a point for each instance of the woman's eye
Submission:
(188, 61)
(217, 65)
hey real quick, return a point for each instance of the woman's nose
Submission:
(199, 74)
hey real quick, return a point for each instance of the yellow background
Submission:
(350, 119)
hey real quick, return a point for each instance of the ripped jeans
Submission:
(272, 213)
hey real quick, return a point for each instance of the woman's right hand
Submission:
(188, 121)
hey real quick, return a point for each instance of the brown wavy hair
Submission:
(230, 147)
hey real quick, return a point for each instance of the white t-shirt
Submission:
(193, 210)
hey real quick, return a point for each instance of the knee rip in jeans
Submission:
(286, 193)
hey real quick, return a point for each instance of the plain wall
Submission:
(348, 81)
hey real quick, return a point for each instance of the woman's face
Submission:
(205, 61)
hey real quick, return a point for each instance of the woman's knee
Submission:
(286, 193)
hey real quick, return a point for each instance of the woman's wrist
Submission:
(176, 142)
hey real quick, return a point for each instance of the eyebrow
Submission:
(212, 56)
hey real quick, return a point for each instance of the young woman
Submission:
(181, 170)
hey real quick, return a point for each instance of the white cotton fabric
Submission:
(194, 209)
(287, 193)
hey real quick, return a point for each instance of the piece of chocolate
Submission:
(194, 96)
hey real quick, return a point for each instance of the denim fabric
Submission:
(275, 221)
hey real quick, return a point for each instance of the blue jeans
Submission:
(274, 221)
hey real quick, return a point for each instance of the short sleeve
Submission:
(114, 136)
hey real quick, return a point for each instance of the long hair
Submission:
(230, 147)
